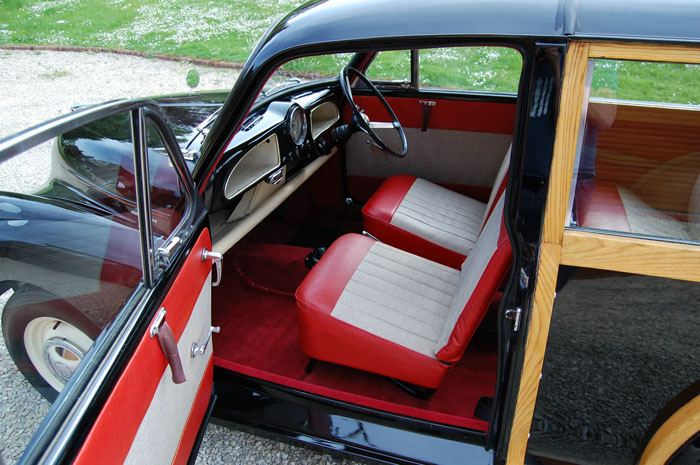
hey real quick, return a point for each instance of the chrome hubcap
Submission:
(55, 348)
(62, 357)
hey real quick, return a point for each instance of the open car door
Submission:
(132, 377)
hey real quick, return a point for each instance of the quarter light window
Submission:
(638, 159)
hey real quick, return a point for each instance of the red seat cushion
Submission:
(378, 212)
(327, 338)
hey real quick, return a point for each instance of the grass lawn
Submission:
(213, 29)
(227, 30)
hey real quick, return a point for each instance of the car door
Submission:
(141, 391)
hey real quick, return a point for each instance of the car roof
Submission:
(341, 21)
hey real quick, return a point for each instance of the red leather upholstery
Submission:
(379, 210)
(326, 338)
(480, 300)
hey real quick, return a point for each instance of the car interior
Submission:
(354, 271)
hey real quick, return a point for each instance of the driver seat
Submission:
(428, 220)
(373, 307)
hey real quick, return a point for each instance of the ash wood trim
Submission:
(534, 352)
(565, 144)
(678, 429)
(631, 255)
(555, 214)
(667, 53)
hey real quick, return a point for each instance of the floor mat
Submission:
(256, 309)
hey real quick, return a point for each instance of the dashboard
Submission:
(278, 146)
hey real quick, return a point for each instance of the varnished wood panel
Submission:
(677, 430)
(652, 133)
(669, 53)
(565, 143)
(534, 352)
(631, 255)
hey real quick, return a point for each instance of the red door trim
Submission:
(114, 430)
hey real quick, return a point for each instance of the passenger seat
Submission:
(428, 220)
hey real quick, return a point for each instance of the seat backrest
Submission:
(482, 272)
(498, 186)
(694, 212)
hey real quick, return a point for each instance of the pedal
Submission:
(313, 258)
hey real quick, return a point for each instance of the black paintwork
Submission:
(336, 426)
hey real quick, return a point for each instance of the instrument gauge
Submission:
(297, 124)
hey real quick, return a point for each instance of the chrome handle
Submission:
(276, 177)
(217, 259)
(199, 350)
(166, 252)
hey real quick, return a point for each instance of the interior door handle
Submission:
(216, 258)
(166, 339)
(200, 350)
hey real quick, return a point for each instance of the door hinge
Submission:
(514, 314)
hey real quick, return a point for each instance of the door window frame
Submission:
(589, 249)
(74, 410)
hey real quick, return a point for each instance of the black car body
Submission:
(605, 373)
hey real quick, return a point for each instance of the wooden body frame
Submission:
(596, 250)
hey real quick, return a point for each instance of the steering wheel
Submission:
(361, 118)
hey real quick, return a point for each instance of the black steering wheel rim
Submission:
(360, 118)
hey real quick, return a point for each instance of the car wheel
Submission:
(46, 337)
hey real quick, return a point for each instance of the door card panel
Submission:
(144, 419)
(464, 143)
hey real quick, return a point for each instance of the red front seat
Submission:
(423, 218)
(377, 308)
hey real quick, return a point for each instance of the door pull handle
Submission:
(166, 339)
(199, 350)
(216, 258)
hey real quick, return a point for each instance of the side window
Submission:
(391, 66)
(638, 160)
(484, 69)
(100, 155)
(481, 69)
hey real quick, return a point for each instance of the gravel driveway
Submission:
(38, 85)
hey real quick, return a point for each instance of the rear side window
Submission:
(638, 158)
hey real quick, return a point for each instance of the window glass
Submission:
(638, 161)
(70, 257)
(486, 69)
(305, 69)
(391, 66)
(168, 200)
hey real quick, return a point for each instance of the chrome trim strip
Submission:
(143, 193)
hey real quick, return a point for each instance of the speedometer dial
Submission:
(297, 124)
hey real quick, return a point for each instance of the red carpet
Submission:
(256, 309)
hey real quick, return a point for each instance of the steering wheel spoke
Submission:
(381, 125)
(363, 121)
